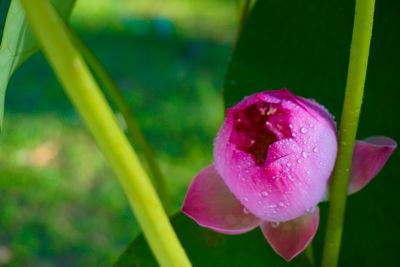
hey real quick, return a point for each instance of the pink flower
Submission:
(273, 158)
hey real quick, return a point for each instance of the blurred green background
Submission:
(60, 204)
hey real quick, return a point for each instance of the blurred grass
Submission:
(60, 205)
(195, 18)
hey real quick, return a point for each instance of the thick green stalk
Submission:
(360, 44)
(91, 104)
(134, 130)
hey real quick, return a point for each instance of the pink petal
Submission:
(290, 238)
(369, 157)
(210, 203)
(298, 139)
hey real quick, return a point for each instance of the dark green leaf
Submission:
(18, 42)
(304, 46)
(207, 248)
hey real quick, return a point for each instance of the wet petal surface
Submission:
(369, 157)
(276, 151)
(210, 203)
(290, 238)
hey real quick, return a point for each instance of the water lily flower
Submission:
(273, 158)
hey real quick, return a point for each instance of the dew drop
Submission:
(304, 154)
(281, 204)
(308, 172)
(246, 199)
(264, 193)
(245, 211)
(290, 125)
(303, 130)
(299, 161)
(294, 134)
(288, 164)
(310, 209)
(315, 149)
(275, 224)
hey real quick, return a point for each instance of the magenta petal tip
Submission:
(210, 203)
(369, 157)
(290, 238)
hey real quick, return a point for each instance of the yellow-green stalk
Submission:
(134, 130)
(359, 51)
(92, 106)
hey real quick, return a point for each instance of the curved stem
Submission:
(97, 114)
(360, 44)
(133, 127)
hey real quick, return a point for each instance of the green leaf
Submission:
(18, 42)
(304, 46)
(208, 248)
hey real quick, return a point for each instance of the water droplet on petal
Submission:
(293, 134)
(310, 209)
(299, 161)
(275, 224)
(281, 204)
(290, 125)
(304, 154)
(303, 130)
(246, 199)
(264, 193)
(245, 211)
(315, 149)
(288, 164)
(308, 172)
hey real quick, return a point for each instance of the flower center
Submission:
(258, 126)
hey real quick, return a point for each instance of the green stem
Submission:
(133, 128)
(360, 44)
(91, 104)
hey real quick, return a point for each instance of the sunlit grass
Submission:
(197, 18)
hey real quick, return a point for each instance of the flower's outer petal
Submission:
(210, 203)
(369, 156)
(290, 238)
(297, 166)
